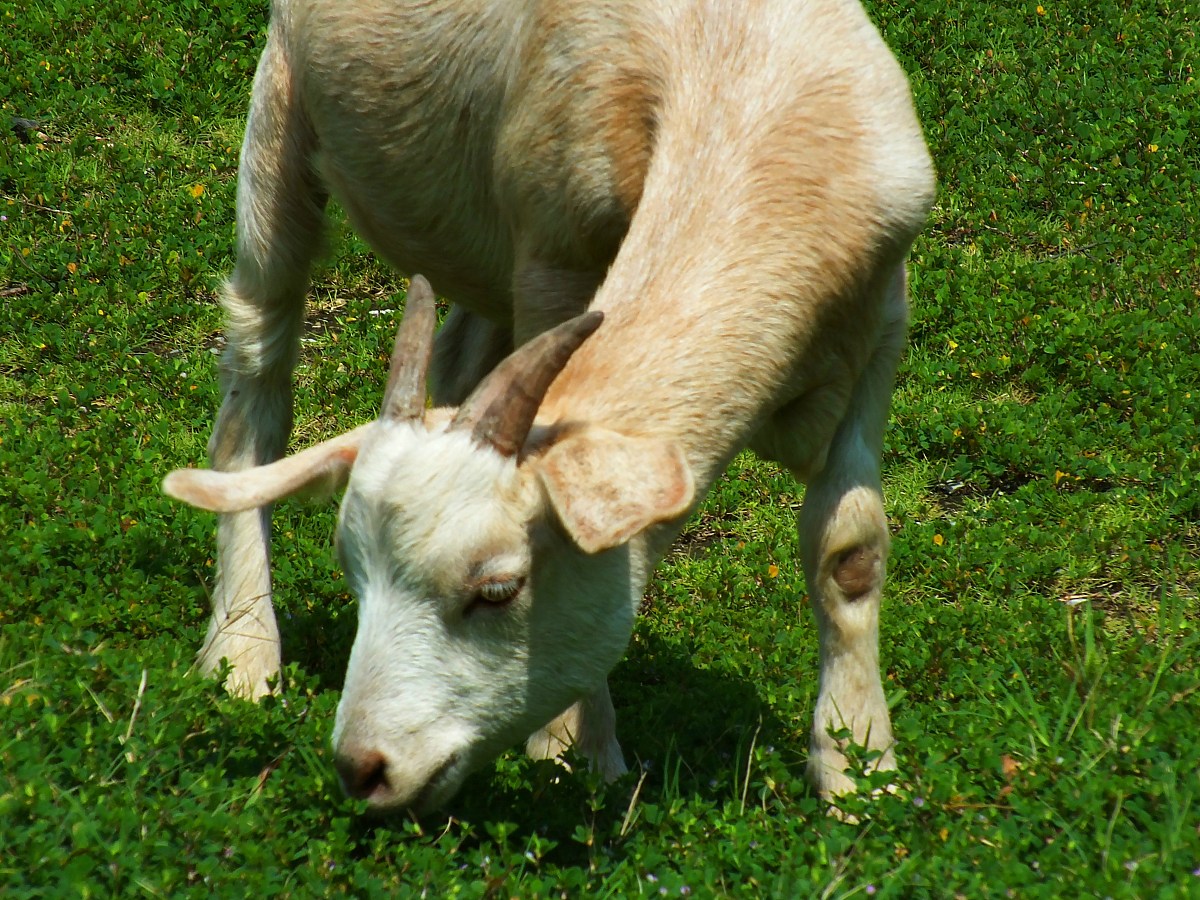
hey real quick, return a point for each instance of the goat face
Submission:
(479, 619)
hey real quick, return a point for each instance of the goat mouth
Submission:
(439, 788)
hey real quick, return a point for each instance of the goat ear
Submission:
(320, 469)
(607, 487)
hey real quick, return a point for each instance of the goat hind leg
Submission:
(280, 219)
(467, 348)
(589, 725)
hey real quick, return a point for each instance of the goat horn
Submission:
(500, 411)
(404, 396)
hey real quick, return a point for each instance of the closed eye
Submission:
(494, 594)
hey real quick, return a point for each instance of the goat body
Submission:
(733, 186)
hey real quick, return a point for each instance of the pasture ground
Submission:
(1040, 636)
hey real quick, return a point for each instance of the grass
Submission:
(1041, 635)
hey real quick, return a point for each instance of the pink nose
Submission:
(363, 774)
(389, 782)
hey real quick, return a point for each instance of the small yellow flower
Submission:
(772, 571)
(1041, 11)
(197, 191)
(1153, 148)
(939, 540)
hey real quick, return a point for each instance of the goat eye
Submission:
(496, 594)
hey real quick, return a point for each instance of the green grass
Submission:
(1041, 632)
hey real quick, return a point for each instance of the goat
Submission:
(733, 188)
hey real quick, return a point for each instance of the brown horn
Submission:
(500, 411)
(404, 396)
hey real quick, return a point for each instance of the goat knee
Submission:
(846, 548)
(858, 571)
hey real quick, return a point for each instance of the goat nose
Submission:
(363, 773)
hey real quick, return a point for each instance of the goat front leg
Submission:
(252, 429)
(280, 218)
(844, 546)
(589, 725)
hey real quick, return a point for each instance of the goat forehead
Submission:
(405, 462)
(434, 498)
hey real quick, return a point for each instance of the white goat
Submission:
(732, 187)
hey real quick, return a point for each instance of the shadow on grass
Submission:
(668, 709)
(319, 639)
(687, 733)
